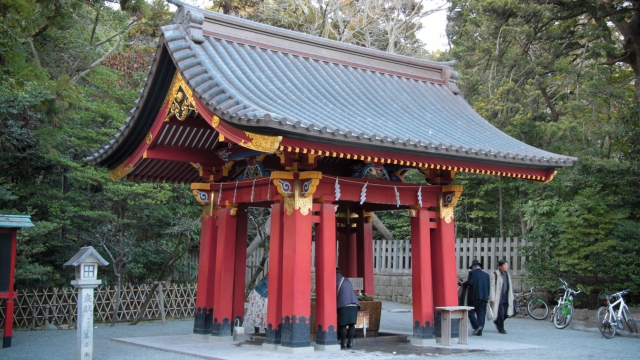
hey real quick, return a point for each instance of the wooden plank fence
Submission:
(394, 256)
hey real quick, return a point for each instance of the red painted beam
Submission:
(181, 154)
(411, 158)
(378, 192)
(155, 129)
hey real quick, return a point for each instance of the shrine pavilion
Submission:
(322, 133)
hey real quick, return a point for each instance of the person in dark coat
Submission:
(348, 306)
(477, 286)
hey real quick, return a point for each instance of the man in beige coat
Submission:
(501, 295)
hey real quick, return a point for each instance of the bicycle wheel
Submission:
(563, 316)
(607, 329)
(538, 309)
(631, 323)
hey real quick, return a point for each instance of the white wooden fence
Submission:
(394, 256)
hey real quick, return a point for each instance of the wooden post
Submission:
(296, 282)
(203, 321)
(422, 285)
(274, 305)
(225, 265)
(240, 269)
(326, 310)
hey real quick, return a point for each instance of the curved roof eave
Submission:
(279, 91)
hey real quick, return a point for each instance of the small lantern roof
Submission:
(83, 254)
(15, 221)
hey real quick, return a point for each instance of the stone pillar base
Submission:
(200, 337)
(227, 339)
(296, 350)
(453, 340)
(270, 347)
(421, 342)
(328, 348)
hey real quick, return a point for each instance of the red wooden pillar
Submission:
(240, 266)
(296, 278)
(343, 250)
(274, 304)
(443, 266)
(225, 265)
(206, 276)
(326, 310)
(364, 236)
(352, 240)
(8, 245)
(443, 250)
(423, 290)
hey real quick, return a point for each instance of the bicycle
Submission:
(534, 306)
(608, 320)
(563, 312)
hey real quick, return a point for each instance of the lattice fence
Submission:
(31, 306)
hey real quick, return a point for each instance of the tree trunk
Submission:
(145, 304)
(386, 234)
(114, 316)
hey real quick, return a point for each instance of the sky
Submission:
(433, 33)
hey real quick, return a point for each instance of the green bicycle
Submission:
(563, 312)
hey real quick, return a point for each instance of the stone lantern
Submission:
(86, 262)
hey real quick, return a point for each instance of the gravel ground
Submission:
(549, 342)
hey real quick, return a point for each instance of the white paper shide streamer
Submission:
(337, 189)
(253, 187)
(420, 196)
(363, 193)
(220, 194)
(234, 192)
(397, 196)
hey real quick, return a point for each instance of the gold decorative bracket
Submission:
(297, 194)
(120, 171)
(206, 197)
(448, 199)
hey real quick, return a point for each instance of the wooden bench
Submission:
(454, 312)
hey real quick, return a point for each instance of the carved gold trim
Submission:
(120, 171)
(550, 177)
(233, 207)
(295, 200)
(264, 143)
(149, 138)
(446, 211)
(215, 121)
(174, 97)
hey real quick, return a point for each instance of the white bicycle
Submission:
(609, 319)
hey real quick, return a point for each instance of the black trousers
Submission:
(502, 312)
(478, 314)
(346, 333)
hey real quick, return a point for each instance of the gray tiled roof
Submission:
(273, 81)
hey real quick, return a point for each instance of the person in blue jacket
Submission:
(348, 306)
(477, 286)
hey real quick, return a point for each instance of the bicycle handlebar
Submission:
(618, 294)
